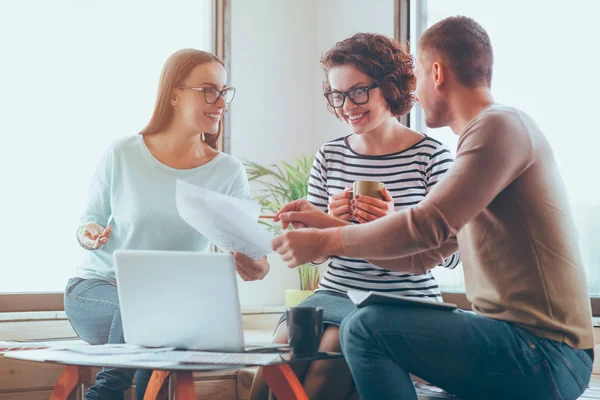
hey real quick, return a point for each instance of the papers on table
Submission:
(132, 356)
(17, 346)
(229, 223)
(206, 357)
(6, 346)
(113, 349)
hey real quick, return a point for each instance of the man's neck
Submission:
(466, 104)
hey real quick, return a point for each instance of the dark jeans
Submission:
(468, 355)
(92, 306)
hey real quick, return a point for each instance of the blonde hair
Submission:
(176, 69)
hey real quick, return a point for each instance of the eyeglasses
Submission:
(358, 96)
(211, 95)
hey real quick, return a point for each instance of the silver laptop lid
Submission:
(187, 300)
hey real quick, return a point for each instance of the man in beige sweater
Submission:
(530, 336)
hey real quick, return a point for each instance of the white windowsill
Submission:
(53, 315)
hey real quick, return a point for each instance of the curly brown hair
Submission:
(386, 61)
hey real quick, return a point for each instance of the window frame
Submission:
(402, 33)
(54, 301)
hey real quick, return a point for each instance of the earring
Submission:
(203, 137)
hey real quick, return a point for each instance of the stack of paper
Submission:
(39, 345)
(113, 349)
(205, 357)
(17, 346)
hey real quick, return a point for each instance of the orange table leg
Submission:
(184, 386)
(284, 383)
(71, 377)
(157, 381)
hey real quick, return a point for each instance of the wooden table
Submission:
(277, 375)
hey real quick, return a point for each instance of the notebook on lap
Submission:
(362, 299)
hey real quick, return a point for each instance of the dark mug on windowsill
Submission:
(305, 328)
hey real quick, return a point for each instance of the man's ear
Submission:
(439, 74)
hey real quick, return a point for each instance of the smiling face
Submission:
(362, 118)
(191, 106)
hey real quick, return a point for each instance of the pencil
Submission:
(107, 225)
(266, 216)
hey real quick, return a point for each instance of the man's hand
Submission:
(300, 246)
(301, 214)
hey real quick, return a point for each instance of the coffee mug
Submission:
(305, 328)
(368, 188)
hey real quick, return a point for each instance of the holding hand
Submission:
(301, 214)
(366, 209)
(301, 246)
(249, 269)
(93, 236)
(339, 205)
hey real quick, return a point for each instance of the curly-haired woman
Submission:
(369, 82)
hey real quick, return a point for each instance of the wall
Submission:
(279, 111)
(338, 20)
(272, 68)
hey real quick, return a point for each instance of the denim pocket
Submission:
(531, 341)
(585, 358)
(82, 286)
(575, 361)
(72, 284)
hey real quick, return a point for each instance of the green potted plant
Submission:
(278, 185)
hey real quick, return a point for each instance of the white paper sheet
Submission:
(18, 346)
(120, 348)
(203, 357)
(229, 223)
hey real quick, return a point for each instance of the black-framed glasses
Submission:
(358, 95)
(211, 95)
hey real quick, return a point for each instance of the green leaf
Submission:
(279, 184)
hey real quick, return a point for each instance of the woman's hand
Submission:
(249, 269)
(93, 236)
(339, 205)
(367, 209)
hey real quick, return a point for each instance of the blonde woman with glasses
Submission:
(132, 205)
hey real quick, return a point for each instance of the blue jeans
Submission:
(468, 355)
(92, 306)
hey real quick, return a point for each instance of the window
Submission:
(544, 63)
(75, 76)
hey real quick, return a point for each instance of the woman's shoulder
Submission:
(339, 142)
(334, 146)
(228, 163)
(125, 144)
(425, 142)
(119, 148)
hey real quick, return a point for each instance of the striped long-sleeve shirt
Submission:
(408, 175)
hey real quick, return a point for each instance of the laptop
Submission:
(185, 300)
